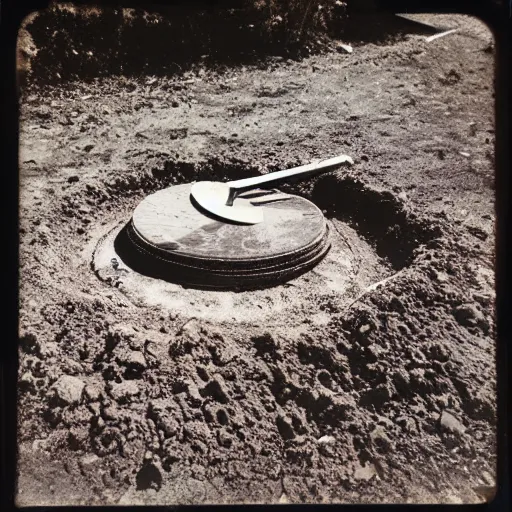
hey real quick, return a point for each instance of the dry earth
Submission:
(377, 386)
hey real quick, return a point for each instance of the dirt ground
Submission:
(369, 379)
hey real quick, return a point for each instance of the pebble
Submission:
(40, 445)
(111, 412)
(136, 358)
(442, 277)
(451, 423)
(284, 499)
(92, 393)
(366, 472)
(326, 440)
(68, 389)
(88, 460)
(27, 381)
(364, 328)
(124, 390)
(192, 331)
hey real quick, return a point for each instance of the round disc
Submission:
(171, 237)
(168, 220)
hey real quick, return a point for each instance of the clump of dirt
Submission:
(377, 391)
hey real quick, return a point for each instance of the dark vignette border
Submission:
(497, 14)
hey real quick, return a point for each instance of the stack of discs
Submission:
(170, 238)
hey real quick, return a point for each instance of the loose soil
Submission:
(369, 379)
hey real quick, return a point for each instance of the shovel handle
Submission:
(303, 170)
(238, 186)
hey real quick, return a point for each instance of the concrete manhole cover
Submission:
(169, 238)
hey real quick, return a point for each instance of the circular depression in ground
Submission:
(364, 249)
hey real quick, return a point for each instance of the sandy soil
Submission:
(370, 379)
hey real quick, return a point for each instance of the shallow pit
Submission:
(371, 236)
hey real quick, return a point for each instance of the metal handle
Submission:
(235, 187)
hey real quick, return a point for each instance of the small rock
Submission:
(364, 329)
(124, 391)
(366, 472)
(451, 423)
(88, 148)
(326, 440)
(68, 390)
(402, 196)
(284, 499)
(442, 277)
(73, 179)
(111, 412)
(88, 460)
(92, 393)
(134, 359)
(464, 153)
(192, 332)
(71, 367)
(40, 445)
